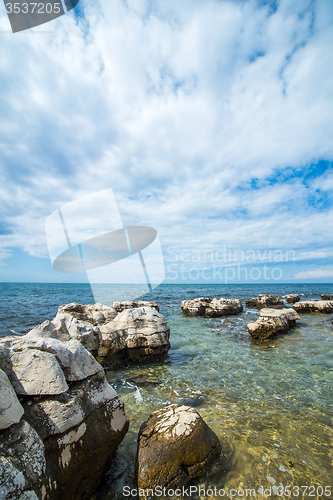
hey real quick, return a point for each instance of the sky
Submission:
(211, 121)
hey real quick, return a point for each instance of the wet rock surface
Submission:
(175, 445)
(204, 306)
(271, 322)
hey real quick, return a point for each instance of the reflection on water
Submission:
(270, 404)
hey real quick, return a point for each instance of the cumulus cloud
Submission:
(208, 119)
(322, 272)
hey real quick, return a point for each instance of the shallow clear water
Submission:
(270, 404)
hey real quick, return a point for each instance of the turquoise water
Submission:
(270, 404)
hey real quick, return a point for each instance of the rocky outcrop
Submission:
(264, 301)
(175, 445)
(137, 334)
(271, 322)
(317, 306)
(73, 420)
(291, 298)
(140, 333)
(205, 306)
(327, 296)
(121, 306)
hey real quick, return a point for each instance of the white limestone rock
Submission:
(11, 410)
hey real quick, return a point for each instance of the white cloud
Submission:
(323, 272)
(175, 106)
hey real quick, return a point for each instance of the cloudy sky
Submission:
(211, 120)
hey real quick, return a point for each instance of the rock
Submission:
(327, 296)
(143, 332)
(40, 366)
(81, 429)
(291, 298)
(34, 372)
(121, 306)
(175, 445)
(272, 322)
(61, 444)
(22, 463)
(271, 301)
(96, 314)
(66, 327)
(11, 410)
(319, 306)
(205, 306)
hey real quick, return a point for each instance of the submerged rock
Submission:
(264, 301)
(205, 306)
(272, 322)
(291, 298)
(319, 306)
(59, 446)
(175, 445)
(121, 306)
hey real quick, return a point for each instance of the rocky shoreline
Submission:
(60, 420)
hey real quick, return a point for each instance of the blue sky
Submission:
(212, 121)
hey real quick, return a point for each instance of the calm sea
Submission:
(270, 403)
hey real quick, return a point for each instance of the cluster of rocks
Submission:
(327, 296)
(271, 322)
(318, 306)
(265, 301)
(129, 330)
(60, 420)
(204, 306)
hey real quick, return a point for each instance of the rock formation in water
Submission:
(272, 322)
(121, 306)
(264, 301)
(139, 333)
(291, 298)
(205, 306)
(318, 306)
(60, 420)
(175, 445)
(327, 296)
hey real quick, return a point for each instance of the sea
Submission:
(270, 403)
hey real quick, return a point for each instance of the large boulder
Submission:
(291, 298)
(205, 306)
(73, 420)
(141, 334)
(265, 301)
(11, 410)
(271, 322)
(175, 445)
(42, 366)
(317, 306)
(129, 304)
